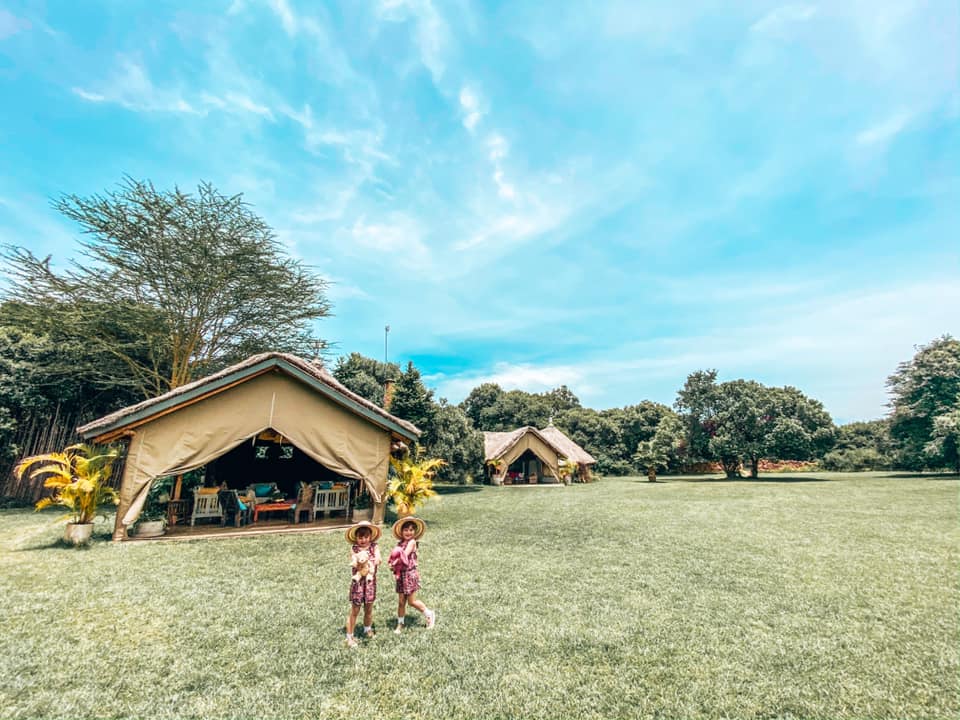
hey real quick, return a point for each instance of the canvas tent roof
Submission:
(497, 444)
(194, 424)
(567, 447)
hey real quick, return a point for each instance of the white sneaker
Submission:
(431, 618)
(351, 641)
(398, 630)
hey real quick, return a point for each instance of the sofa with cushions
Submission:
(258, 493)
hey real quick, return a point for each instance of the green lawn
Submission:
(806, 596)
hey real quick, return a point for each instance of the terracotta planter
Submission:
(78, 533)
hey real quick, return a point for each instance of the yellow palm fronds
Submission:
(77, 475)
(412, 483)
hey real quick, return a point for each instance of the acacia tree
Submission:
(926, 403)
(171, 284)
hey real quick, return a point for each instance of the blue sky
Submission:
(608, 195)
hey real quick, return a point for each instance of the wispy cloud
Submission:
(524, 376)
(130, 87)
(432, 34)
(398, 238)
(783, 17)
(287, 18)
(883, 132)
(498, 151)
(470, 104)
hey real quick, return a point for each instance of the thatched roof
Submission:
(254, 365)
(497, 444)
(567, 447)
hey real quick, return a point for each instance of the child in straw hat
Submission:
(403, 560)
(364, 559)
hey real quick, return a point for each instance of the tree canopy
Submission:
(925, 401)
(172, 285)
(743, 421)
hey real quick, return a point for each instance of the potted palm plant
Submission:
(496, 468)
(78, 476)
(567, 468)
(412, 483)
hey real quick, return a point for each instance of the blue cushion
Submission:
(263, 489)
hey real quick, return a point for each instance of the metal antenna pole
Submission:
(386, 332)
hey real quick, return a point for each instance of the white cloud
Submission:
(131, 88)
(432, 36)
(838, 349)
(883, 132)
(782, 17)
(242, 102)
(398, 238)
(471, 108)
(498, 151)
(287, 18)
(530, 378)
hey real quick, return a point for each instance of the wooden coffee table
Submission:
(272, 506)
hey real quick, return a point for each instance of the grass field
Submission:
(806, 596)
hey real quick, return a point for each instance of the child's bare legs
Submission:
(368, 619)
(352, 622)
(415, 602)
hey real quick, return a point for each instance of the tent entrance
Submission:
(271, 458)
(526, 469)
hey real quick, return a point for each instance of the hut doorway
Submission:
(527, 468)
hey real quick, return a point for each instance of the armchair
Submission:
(234, 509)
(305, 504)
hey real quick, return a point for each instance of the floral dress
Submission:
(408, 579)
(364, 590)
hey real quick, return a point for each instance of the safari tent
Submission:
(528, 455)
(336, 432)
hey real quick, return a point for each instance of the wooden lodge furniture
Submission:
(178, 511)
(205, 505)
(262, 492)
(234, 509)
(285, 505)
(328, 500)
(305, 504)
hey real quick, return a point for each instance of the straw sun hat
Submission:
(419, 527)
(351, 533)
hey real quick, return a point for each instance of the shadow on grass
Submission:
(59, 544)
(924, 476)
(456, 489)
(762, 479)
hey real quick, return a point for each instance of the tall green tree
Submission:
(663, 447)
(480, 398)
(412, 401)
(743, 421)
(365, 376)
(925, 399)
(456, 441)
(171, 284)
